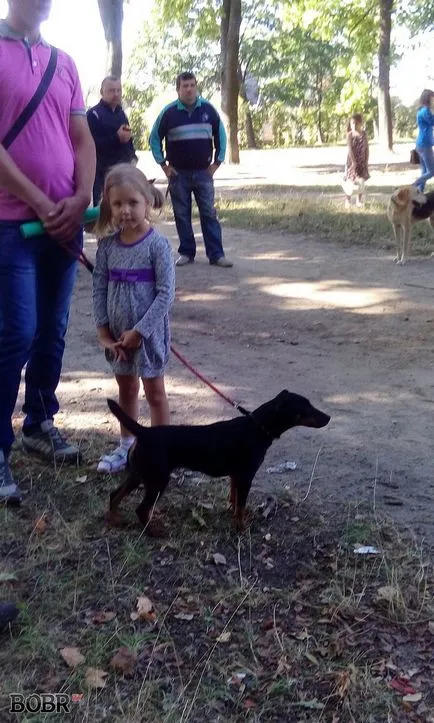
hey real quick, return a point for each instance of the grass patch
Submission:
(292, 627)
(299, 211)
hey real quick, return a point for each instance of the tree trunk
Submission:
(112, 15)
(229, 44)
(385, 133)
(248, 120)
(250, 130)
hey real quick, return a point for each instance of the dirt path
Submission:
(345, 327)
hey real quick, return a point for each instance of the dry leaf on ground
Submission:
(184, 616)
(219, 559)
(95, 678)
(145, 610)
(40, 525)
(124, 661)
(72, 656)
(103, 617)
(389, 593)
(224, 637)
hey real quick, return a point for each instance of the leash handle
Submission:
(208, 383)
(35, 228)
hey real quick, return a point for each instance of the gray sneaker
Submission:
(47, 442)
(10, 494)
(221, 261)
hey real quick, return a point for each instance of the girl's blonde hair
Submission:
(120, 175)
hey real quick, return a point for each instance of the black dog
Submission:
(235, 448)
(422, 211)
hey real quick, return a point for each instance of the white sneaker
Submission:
(114, 462)
(183, 260)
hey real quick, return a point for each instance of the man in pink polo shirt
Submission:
(46, 173)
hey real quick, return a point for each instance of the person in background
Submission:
(192, 133)
(111, 132)
(424, 140)
(356, 167)
(46, 173)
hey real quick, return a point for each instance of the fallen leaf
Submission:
(219, 559)
(249, 704)
(311, 658)
(124, 661)
(81, 479)
(206, 505)
(184, 616)
(236, 679)
(7, 577)
(412, 698)
(95, 678)
(224, 637)
(431, 627)
(103, 617)
(40, 525)
(72, 656)
(388, 592)
(145, 610)
(402, 686)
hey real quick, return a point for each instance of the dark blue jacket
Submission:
(104, 124)
(189, 136)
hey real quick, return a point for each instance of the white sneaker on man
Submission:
(183, 260)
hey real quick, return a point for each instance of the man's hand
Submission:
(130, 339)
(212, 168)
(169, 170)
(64, 220)
(124, 134)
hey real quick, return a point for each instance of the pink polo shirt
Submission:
(43, 150)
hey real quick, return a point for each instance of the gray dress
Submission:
(133, 288)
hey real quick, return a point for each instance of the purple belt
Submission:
(132, 276)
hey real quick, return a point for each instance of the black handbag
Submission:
(414, 157)
(34, 102)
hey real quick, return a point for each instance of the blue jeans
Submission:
(426, 166)
(36, 282)
(201, 185)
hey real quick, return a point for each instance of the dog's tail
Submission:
(124, 419)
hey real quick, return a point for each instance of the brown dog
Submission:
(400, 213)
(235, 448)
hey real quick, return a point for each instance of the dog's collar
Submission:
(263, 429)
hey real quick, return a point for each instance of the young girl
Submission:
(356, 167)
(133, 289)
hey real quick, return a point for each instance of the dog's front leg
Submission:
(241, 485)
(406, 242)
(145, 510)
(397, 231)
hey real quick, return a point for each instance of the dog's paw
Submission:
(115, 519)
(155, 528)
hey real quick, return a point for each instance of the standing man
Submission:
(190, 126)
(46, 173)
(111, 132)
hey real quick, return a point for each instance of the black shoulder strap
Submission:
(34, 102)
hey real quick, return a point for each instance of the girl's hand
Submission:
(130, 339)
(116, 350)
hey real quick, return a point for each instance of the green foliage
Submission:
(313, 60)
(136, 102)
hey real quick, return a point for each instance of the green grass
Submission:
(308, 634)
(317, 213)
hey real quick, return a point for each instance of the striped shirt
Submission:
(190, 136)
